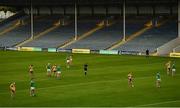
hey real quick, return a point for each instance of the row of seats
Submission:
(101, 39)
(62, 34)
(107, 36)
(102, 10)
(152, 39)
(22, 32)
(177, 49)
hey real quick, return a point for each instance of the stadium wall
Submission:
(104, 10)
(175, 55)
(82, 51)
(168, 47)
(177, 49)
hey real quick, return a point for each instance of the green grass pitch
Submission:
(106, 84)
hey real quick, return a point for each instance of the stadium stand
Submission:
(46, 35)
(107, 36)
(15, 36)
(62, 34)
(177, 49)
(7, 25)
(152, 39)
(11, 20)
(22, 32)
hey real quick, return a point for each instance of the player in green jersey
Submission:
(48, 67)
(58, 74)
(158, 79)
(32, 87)
(173, 69)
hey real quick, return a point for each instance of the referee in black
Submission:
(147, 53)
(85, 69)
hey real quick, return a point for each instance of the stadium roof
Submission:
(87, 2)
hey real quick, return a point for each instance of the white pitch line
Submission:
(93, 82)
(80, 84)
(159, 103)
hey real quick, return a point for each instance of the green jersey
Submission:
(58, 68)
(32, 83)
(173, 66)
(158, 76)
(48, 67)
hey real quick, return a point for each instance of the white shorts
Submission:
(32, 88)
(173, 70)
(48, 70)
(58, 72)
(158, 79)
(68, 61)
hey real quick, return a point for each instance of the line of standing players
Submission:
(55, 71)
(170, 69)
(52, 71)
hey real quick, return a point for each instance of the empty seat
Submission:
(151, 39)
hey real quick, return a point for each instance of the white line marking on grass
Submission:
(159, 103)
(80, 84)
(94, 82)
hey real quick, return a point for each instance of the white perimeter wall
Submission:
(168, 47)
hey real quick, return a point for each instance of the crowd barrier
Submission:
(175, 55)
(109, 52)
(25, 48)
(52, 50)
(94, 51)
(130, 53)
(64, 50)
(84, 51)
(2, 48)
(37, 49)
